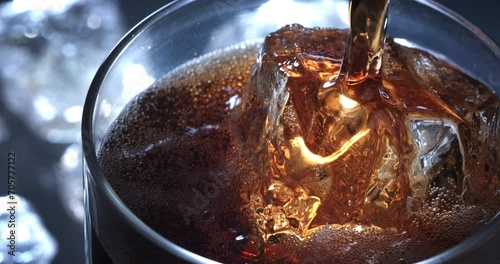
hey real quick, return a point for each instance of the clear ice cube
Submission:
(283, 66)
(439, 153)
(50, 52)
(70, 181)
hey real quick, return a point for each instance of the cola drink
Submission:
(258, 153)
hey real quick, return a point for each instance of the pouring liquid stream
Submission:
(365, 45)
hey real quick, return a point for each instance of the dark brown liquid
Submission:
(193, 157)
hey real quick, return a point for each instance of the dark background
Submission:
(35, 157)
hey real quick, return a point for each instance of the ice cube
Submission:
(292, 66)
(50, 53)
(470, 116)
(307, 128)
(439, 155)
(70, 182)
(31, 242)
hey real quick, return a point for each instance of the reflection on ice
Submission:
(312, 159)
(439, 151)
(404, 42)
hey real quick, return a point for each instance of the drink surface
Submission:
(241, 161)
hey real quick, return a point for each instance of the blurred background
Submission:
(49, 51)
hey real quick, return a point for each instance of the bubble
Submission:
(224, 249)
(249, 247)
(207, 216)
(31, 31)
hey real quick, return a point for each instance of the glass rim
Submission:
(91, 161)
(464, 23)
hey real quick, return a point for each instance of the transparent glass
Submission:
(187, 29)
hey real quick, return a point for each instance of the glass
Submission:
(187, 29)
